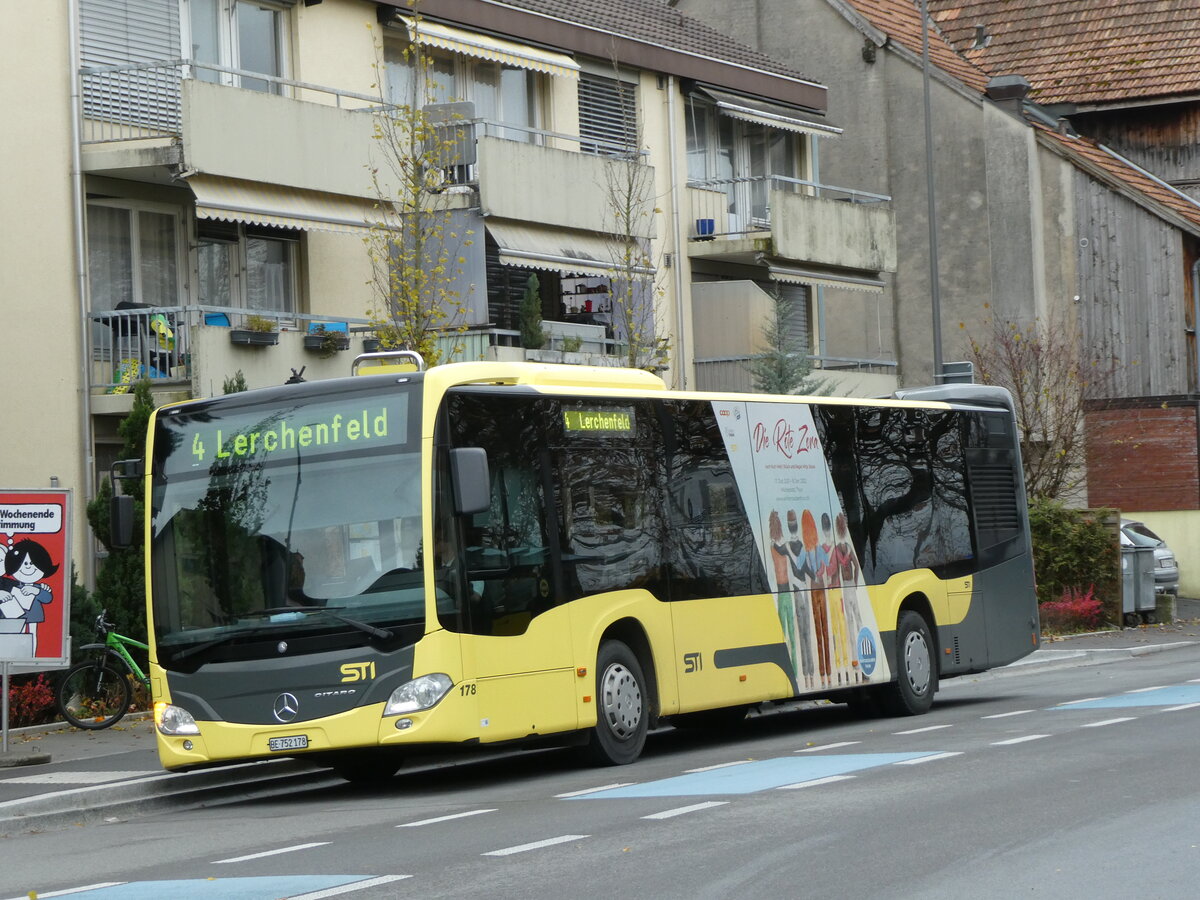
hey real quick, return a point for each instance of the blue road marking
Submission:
(259, 888)
(761, 775)
(1176, 695)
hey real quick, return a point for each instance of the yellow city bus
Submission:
(480, 553)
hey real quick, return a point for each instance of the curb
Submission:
(1091, 656)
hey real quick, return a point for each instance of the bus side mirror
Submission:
(120, 521)
(472, 484)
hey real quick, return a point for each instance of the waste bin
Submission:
(1138, 601)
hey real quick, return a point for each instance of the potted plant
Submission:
(257, 331)
(326, 338)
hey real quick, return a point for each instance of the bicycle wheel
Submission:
(93, 695)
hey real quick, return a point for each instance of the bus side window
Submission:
(505, 548)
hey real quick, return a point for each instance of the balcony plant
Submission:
(257, 331)
(326, 339)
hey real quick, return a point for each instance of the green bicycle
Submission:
(96, 693)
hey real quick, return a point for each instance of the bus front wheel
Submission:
(622, 714)
(911, 694)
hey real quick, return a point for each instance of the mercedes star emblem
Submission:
(286, 707)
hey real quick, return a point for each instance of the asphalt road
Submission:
(1075, 781)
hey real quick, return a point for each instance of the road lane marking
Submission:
(1108, 722)
(73, 778)
(921, 730)
(537, 845)
(1084, 700)
(925, 759)
(1015, 712)
(75, 890)
(1019, 740)
(592, 790)
(814, 783)
(347, 888)
(829, 746)
(759, 775)
(293, 849)
(1180, 708)
(726, 765)
(684, 810)
(1157, 687)
(461, 815)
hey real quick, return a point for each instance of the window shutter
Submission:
(607, 112)
(131, 33)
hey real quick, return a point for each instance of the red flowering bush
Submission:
(30, 701)
(1077, 610)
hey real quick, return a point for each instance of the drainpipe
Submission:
(815, 143)
(85, 403)
(1196, 321)
(681, 378)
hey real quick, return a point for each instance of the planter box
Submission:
(253, 338)
(331, 340)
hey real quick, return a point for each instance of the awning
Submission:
(254, 203)
(562, 250)
(823, 278)
(481, 46)
(774, 115)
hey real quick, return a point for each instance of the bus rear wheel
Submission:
(622, 714)
(911, 694)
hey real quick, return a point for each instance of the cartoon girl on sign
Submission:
(25, 564)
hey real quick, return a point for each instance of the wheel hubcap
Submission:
(916, 662)
(621, 700)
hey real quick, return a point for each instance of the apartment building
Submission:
(189, 168)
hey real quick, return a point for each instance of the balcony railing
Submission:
(745, 205)
(157, 342)
(732, 373)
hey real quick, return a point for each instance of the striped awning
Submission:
(823, 278)
(773, 115)
(482, 46)
(562, 250)
(255, 203)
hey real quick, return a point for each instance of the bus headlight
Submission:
(174, 720)
(418, 694)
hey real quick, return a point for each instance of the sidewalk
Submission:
(94, 775)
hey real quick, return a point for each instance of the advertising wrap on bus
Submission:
(800, 531)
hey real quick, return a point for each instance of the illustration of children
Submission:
(803, 559)
(837, 612)
(26, 563)
(783, 587)
(811, 570)
(847, 565)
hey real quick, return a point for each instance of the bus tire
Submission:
(911, 694)
(622, 711)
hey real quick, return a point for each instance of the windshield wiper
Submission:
(382, 633)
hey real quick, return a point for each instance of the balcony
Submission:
(788, 220)
(188, 351)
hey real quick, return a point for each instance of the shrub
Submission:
(1073, 547)
(30, 701)
(1076, 610)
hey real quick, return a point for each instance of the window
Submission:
(132, 255)
(501, 93)
(237, 34)
(607, 115)
(246, 266)
(721, 148)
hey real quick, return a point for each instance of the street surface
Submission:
(1073, 781)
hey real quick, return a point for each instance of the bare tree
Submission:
(631, 202)
(416, 244)
(1045, 367)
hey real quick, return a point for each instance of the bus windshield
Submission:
(293, 521)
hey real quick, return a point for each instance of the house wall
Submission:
(1163, 139)
(39, 280)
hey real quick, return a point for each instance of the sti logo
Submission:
(692, 663)
(359, 671)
